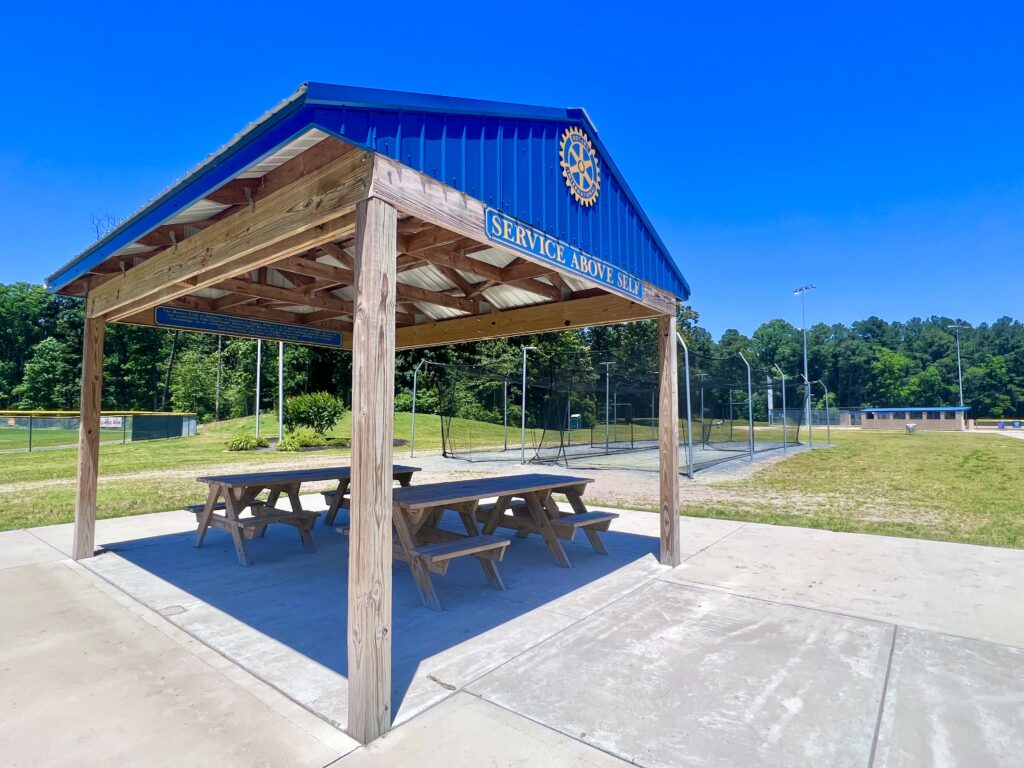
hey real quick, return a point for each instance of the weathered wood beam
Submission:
(169, 234)
(427, 238)
(426, 198)
(227, 301)
(443, 258)
(285, 295)
(316, 269)
(455, 277)
(84, 539)
(370, 537)
(605, 309)
(302, 215)
(668, 439)
(414, 293)
(336, 251)
(236, 192)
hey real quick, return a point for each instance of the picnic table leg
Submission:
(579, 508)
(543, 523)
(207, 514)
(339, 495)
(495, 517)
(420, 572)
(404, 479)
(303, 525)
(467, 512)
(233, 507)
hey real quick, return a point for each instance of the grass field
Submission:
(947, 486)
(39, 488)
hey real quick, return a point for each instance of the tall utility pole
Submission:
(607, 389)
(959, 370)
(785, 433)
(802, 293)
(259, 366)
(522, 434)
(220, 367)
(280, 391)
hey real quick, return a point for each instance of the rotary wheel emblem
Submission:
(580, 166)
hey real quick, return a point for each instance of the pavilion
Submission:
(374, 221)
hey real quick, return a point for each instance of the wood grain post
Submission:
(370, 539)
(84, 544)
(668, 439)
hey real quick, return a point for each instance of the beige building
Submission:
(938, 418)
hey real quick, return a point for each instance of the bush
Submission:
(247, 443)
(301, 438)
(319, 411)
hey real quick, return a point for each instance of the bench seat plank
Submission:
(461, 547)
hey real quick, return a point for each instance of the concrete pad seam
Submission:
(881, 700)
(32, 533)
(686, 583)
(555, 730)
(739, 527)
(176, 633)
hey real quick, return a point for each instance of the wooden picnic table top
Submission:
(276, 477)
(457, 491)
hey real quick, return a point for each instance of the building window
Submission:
(950, 415)
(934, 415)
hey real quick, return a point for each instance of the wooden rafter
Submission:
(290, 296)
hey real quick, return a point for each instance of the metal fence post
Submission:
(750, 405)
(689, 415)
(30, 433)
(785, 431)
(828, 417)
(412, 428)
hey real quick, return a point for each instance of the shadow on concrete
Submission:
(300, 599)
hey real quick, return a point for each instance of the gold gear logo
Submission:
(580, 166)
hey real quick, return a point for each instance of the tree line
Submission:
(870, 362)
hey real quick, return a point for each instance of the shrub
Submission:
(301, 438)
(319, 411)
(247, 443)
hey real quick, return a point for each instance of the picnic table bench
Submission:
(230, 495)
(428, 548)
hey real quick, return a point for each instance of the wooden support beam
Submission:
(441, 258)
(370, 538)
(84, 542)
(426, 198)
(336, 251)
(285, 295)
(668, 439)
(305, 214)
(455, 278)
(316, 269)
(413, 293)
(539, 318)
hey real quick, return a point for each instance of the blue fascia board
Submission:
(293, 118)
(918, 409)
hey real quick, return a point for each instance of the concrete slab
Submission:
(672, 676)
(952, 702)
(87, 682)
(135, 531)
(18, 548)
(283, 619)
(476, 733)
(958, 589)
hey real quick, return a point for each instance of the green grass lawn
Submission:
(948, 486)
(39, 488)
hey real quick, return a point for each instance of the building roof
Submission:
(919, 409)
(506, 155)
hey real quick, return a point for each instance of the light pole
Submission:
(280, 391)
(522, 433)
(802, 293)
(259, 366)
(959, 370)
(412, 426)
(607, 389)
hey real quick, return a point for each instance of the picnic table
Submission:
(428, 548)
(230, 495)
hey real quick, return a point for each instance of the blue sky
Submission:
(876, 150)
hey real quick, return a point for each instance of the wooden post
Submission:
(668, 439)
(370, 539)
(84, 543)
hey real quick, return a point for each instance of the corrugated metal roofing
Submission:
(506, 155)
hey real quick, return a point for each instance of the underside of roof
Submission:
(504, 155)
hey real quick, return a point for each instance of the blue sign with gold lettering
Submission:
(229, 325)
(513, 234)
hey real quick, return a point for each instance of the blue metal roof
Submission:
(918, 409)
(506, 155)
